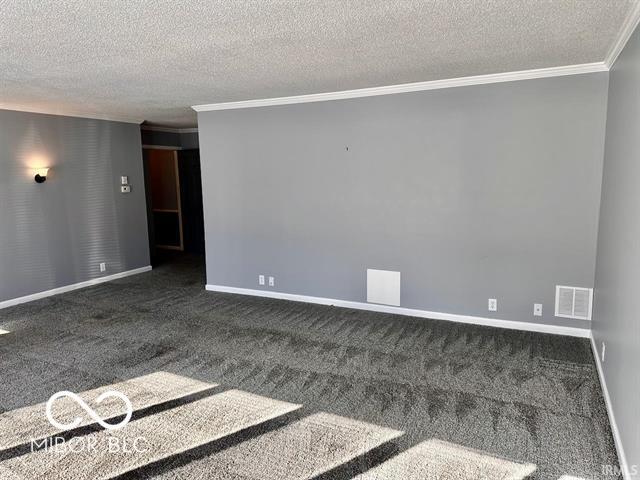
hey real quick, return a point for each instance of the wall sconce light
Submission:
(41, 174)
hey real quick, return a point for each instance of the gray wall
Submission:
(154, 137)
(170, 139)
(189, 140)
(56, 233)
(472, 193)
(617, 302)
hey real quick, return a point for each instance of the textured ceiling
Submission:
(152, 60)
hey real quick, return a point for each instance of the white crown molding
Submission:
(410, 87)
(66, 113)
(617, 440)
(151, 128)
(411, 312)
(69, 288)
(627, 29)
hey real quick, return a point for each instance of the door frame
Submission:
(150, 208)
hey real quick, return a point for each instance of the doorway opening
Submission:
(174, 205)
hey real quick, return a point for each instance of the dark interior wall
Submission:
(57, 233)
(189, 140)
(191, 199)
(186, 140)
(616, 321)
(167, 139)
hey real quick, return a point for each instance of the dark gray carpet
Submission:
(524, 397)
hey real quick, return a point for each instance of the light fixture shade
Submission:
(41, 174)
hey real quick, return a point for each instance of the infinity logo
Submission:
(78, 420)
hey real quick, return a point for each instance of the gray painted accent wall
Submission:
(616, 319)
(189, 140)
(154, 137)
(478, 192)
(184, 140)
(56, 233)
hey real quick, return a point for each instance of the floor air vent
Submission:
(574, 302)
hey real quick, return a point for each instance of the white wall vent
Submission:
(383, 286)
(574, 302)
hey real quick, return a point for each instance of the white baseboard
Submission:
(489, 322)
(68, 288)
(612, 419)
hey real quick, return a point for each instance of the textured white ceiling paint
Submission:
(151, 60)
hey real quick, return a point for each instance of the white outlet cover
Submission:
(383, 286)
(493, 305)
(272, 281)
(124, 180)
(260, 279)
(103, 267)
(537, 309)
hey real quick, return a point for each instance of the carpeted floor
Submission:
(375, 395)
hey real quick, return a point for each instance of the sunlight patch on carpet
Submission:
(150, 438)
(23, 425)
(301, 450)
(6, 474)
(436, 460)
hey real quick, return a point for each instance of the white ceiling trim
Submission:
(151, 128)
(627, 29)
(410, 87)
(65, 113)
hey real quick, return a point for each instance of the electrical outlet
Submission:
(272, 281)
(604, 347)
(103, 267)
(537, 309)
(125, 188)
(493, 305)
(124, 180)
(260, 279)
